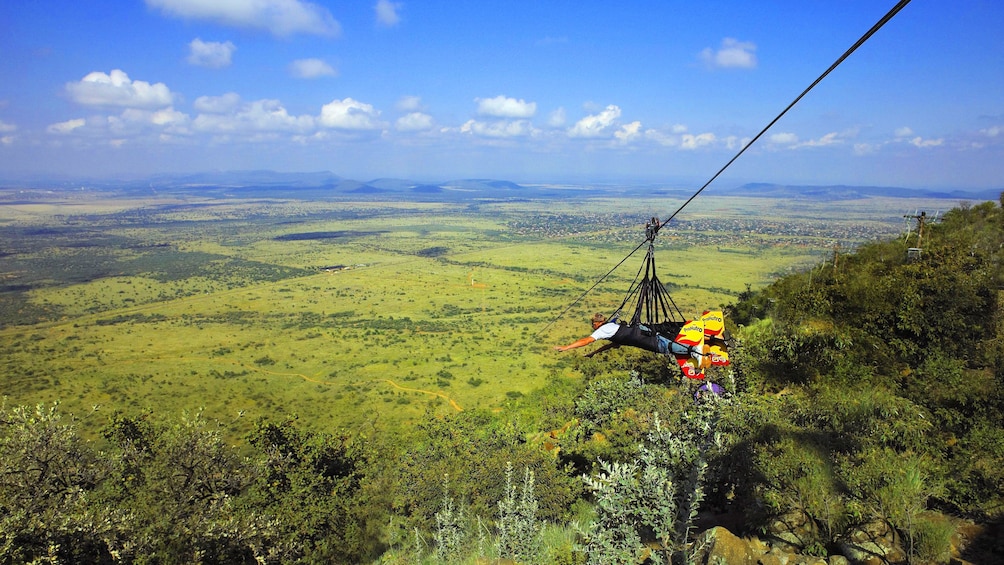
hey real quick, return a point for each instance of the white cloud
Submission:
(350, 114)
(595, 125)
(280, 17)
(661, 138)
(557, 118)
(791, 140)
(676, 137)
(7, 128)
(993, 131)
(629, 132)
(502, 107)
(260, 116)
(409, 104)
(736, 142)
(67, 127)
(165, 118)
(311, 68)
(865, 148)
(696, 141)
(784, 138)
(414, 121)
(115, 89)
(210, 54)
(132, 123)
(831, 138)
(732, 54)
(906, 134)
(386, 13)
(218, 104)
(136, 122)
(499, 129)
(923, 143)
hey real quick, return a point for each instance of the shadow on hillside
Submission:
(985, 543)
(736, 502)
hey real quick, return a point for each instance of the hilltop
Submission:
(324, 185)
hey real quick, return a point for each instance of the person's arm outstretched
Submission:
(584, 341)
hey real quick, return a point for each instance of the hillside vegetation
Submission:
(867, 390)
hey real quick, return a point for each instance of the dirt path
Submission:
(440, 394)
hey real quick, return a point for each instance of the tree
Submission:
(47, 476)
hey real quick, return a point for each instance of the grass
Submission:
(197, 305)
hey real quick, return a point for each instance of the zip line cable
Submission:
(878, 25)
(590, 289)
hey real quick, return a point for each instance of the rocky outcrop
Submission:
(873, 543)
(719, 545)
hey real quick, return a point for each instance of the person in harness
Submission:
(641, 337)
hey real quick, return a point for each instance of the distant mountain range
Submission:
(846, 192)
(327, 185)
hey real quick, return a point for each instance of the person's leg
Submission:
(680, 349)
(666, 347)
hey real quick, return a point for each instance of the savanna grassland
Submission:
(347, 313)
(280, 380)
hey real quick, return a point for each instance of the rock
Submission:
(837, 560)
(773, 558)
(718, 545)
(757, 546)
(797, 559)
(874, 542)
(791, 532)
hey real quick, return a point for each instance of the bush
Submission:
(654, 497)
(931, 537)
(47, 475)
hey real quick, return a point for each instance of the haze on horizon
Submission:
(527, 91)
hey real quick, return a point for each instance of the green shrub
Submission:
(930, 539)
(519, 529)
(47, 475)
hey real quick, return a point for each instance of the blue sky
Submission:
(523, 90)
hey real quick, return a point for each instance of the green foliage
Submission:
(931, 537)
(613, 538)
(181, 485)
(835, 456)
(316, 489)
(603, 399)
(975, 477)
(474, 448)
(47, 475)
(868, 387)
(177, 493)
(894, 312)
(799, 475)
(895, 487)
(451, 530)
(519, 529)
(656, 496)
(883, 363)
(776, 353)
(614, 413)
